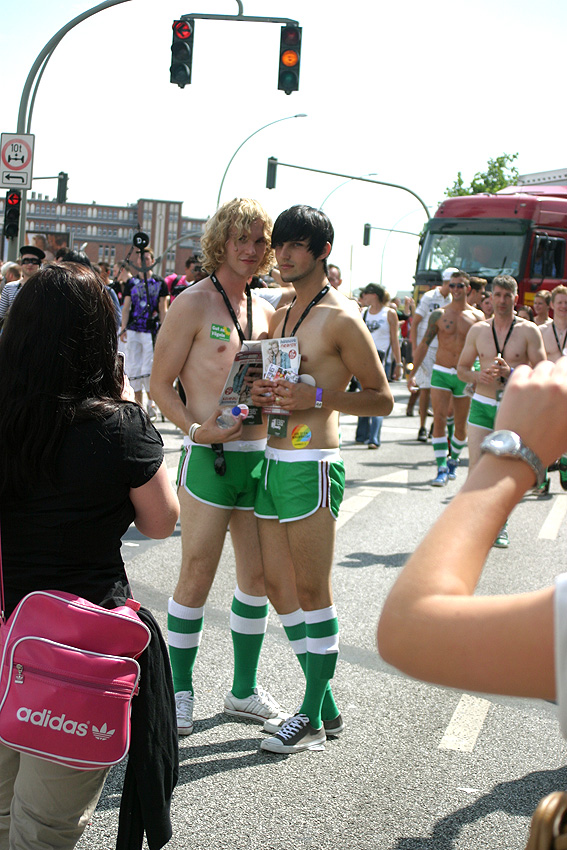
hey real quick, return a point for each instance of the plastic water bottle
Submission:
(229, 416)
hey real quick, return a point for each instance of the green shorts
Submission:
(443, 378)
(295, 484)
(236, 488)
(483, 412)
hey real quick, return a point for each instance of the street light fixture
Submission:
(277, 121)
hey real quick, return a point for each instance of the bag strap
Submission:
(2, 603)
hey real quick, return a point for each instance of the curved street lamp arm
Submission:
(277, 121)
(48, 50)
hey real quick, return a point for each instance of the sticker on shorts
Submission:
(300, 436)
(220, 332)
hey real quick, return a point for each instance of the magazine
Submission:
(280, 359)
(245, 369)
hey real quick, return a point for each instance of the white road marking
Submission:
(555, 517)
(129, 542)
(465, 724)
(366, 495)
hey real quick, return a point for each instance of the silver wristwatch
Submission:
(509, 444)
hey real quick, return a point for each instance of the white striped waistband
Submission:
(485, 399)
(291, 455)
(449, 371)
(232, 446)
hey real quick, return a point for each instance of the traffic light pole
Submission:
(240, 17)
(273, 164)
(38, 67)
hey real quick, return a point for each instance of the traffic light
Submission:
(366, 237)
(62, 180)
(290, 58)
(12, 214)
(271, 175)
(182, 53)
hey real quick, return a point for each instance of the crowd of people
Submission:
(81, 461)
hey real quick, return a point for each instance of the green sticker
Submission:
(220, 332)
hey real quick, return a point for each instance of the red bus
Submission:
(521, 231)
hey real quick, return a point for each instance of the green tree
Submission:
(500, 172)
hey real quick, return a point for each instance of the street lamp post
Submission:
(277, 121)
(37, 70)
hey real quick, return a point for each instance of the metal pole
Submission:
(41, 60)
(362, 179)
(300, 115)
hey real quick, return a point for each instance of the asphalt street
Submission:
(418, 767)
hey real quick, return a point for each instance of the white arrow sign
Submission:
(16, 157)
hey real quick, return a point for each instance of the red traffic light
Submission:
(182, 29)
(290, 36)
(13, 198)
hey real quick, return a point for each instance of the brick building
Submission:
(106, 231)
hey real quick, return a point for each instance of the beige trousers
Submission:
(44, 805)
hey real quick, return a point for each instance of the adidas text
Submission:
(58, 723)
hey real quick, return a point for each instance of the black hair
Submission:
(57, 365)
(78, 257)
(304, 222)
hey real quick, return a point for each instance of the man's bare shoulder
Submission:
(530, 329)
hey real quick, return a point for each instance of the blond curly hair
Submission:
(240, 214)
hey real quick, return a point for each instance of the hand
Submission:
(291, 396)
(123, 335)
(128, 393)
(209, 432)
(398, 371)
(534, 405)
(262, 393)
(411, 382)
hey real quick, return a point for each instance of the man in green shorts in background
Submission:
(500, 343)
(197, 343)
(450, 325)
(302, 477)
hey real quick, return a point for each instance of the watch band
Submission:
(318, 397)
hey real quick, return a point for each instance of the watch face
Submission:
(503, 442)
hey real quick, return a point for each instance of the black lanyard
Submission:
(560, 347)
(320, 294)
(500, 351)
(230, 308)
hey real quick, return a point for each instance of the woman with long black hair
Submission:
(78, 464)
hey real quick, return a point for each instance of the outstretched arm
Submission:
(432, 626)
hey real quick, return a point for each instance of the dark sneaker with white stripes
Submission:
(296, 735)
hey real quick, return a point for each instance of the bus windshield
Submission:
(480, 254)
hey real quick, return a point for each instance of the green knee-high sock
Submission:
(457, 446)
(450, 427)
(322, 652)
(185, 628)
(248, 624)
(294, 627)
(440, 449)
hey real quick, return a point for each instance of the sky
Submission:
(410, 92)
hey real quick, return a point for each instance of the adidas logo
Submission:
(59, 723)
(102, 734)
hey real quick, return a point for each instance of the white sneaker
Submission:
(260, 706)
(296, 735)
(332, 727)
(184, 703)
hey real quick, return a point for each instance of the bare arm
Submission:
(432, 626)
(465, 371)
(415, 322)
(156, 505)
(162, 308)
(126, 305)
(421, 350)
(536, 347)
(394, 325)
